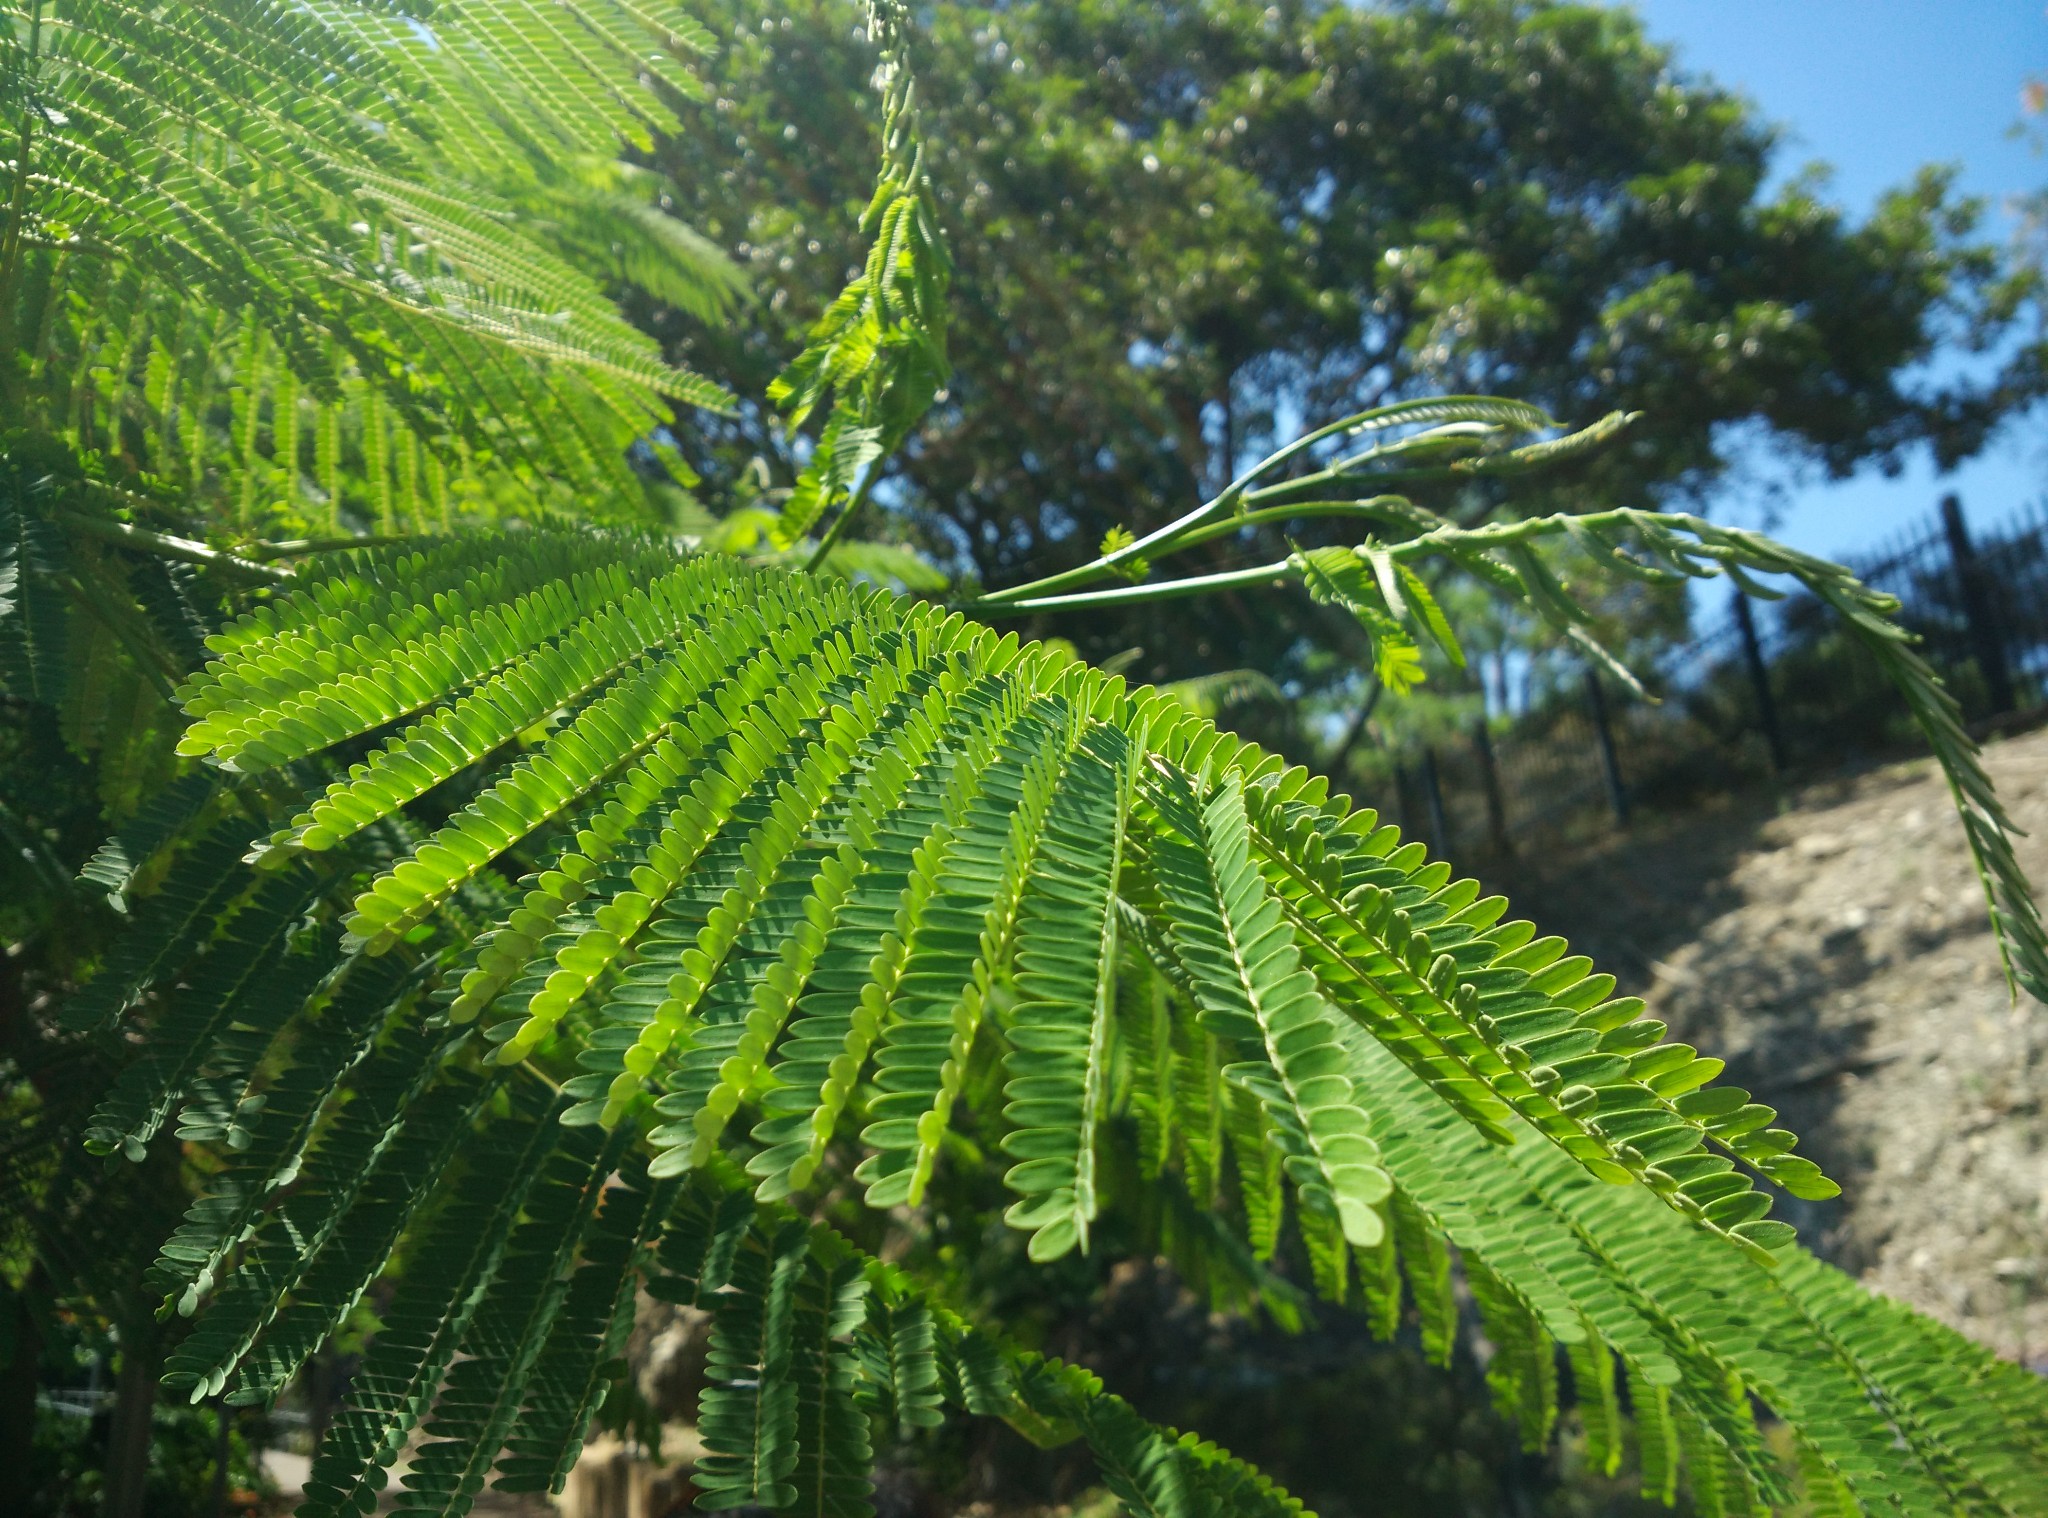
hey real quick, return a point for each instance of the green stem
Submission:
(1711, 542)
(1139, 595)
(1338, 475)
(1376, 508)
(169, 547)
(860, 498)
(91, 246)
(525, 1067)
(1227, 501)
(293, 548)
(1109, 562)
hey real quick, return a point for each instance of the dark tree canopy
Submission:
(1183, 230)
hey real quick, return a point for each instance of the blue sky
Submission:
(1875, 88)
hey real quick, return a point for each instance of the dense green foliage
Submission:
(821, 864)
(516, 919)
(337, 267)
(1182, 229)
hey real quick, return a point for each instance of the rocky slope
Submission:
(1831, 944)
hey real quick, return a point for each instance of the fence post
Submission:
(1760, 680)
(1610, 764)
(1987, 642)
(1433, 798)
(1489, 780)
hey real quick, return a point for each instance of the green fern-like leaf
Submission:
(35, 631)
(878, 354)
(461, 1252)
(807, 873)
(749, 1413)
(1060, 1030)
(233, 210)
(1230, 937)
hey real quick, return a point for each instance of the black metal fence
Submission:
(1767, 688)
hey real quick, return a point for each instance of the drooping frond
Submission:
(810, 1338)
(878, 353)
(1232, 942)
(792, 857)
(1065, 969)
(1671, 546)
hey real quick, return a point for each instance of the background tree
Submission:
(1182, 229)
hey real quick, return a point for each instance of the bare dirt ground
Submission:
(1831, 944)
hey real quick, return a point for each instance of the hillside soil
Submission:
(1831, 943)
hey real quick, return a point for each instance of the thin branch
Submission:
(831, 534)
(1458, 409)
(293, 548)
(1274, 574)
(1380, 508)
(165, 546)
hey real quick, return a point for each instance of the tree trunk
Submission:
(1333, 765)
(222, 1436)
(22, 1343)
(128, 1437)
(1227, 456)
